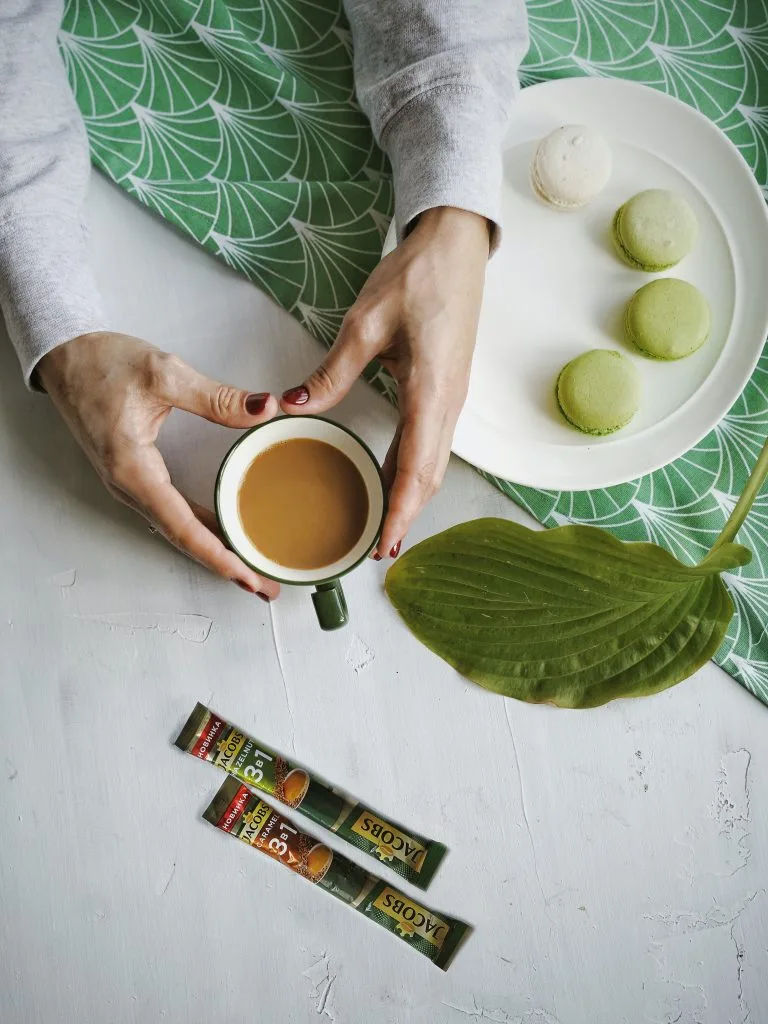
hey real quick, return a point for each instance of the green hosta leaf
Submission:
(572, 615)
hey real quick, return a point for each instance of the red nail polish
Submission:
(296, 396)
(376, 556)
(395, 550)
(250, 590)
(256, 404)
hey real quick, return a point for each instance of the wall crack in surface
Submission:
(187, 626)
(740, 954)
(323, 978)
(359, 655)
(525, 812)
(481, 1013)
(170, 879)
(323, 1001)
(692, 998)
(499, 1016)
(730, 808)
(695, 921)
(281, 666)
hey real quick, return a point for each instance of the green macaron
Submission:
(667, 319)
(654, 230)
(598, 392)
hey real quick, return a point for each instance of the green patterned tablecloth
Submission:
(235, 120)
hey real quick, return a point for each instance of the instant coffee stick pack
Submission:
(243, 814)
(208, 736)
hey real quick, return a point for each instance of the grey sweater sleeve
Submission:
(437, 79)
(47, 291)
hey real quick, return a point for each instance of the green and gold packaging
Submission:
(243, 814)
(209, 737)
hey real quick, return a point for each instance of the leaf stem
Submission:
(742, 507)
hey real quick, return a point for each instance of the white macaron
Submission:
(571, 166)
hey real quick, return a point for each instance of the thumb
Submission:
(185, 388)
(333, 378)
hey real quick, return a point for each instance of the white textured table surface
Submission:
(613, 862)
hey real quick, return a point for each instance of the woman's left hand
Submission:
(417, 314)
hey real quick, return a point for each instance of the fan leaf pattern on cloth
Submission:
(237, 123)
(235, 120)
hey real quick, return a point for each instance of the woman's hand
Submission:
(418, 314)
(114, 392)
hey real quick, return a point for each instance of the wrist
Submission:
(451, 221)
(55, 364)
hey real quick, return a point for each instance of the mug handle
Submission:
(330, 605)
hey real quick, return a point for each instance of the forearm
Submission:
(47, 291)
(437, 79)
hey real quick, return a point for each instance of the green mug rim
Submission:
(282, 579)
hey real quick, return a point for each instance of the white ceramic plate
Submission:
(556, 288)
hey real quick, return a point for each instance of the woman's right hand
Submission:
(114, 392)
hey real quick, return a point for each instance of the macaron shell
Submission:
(598, 392)
(655, 229)
(571, 166)
(667, 319)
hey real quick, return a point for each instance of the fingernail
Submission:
(395, 550)
(256, 404)
(376, 556)
(296, 396)
(249, 590)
